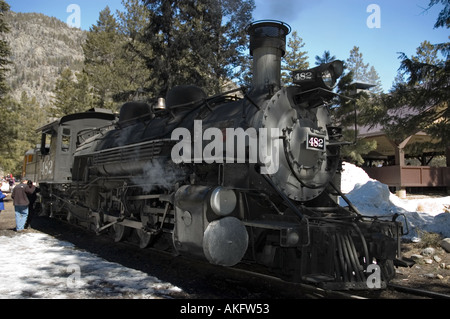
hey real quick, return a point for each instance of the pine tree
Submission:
(373, 78)
(64, 91)
(195, 42)
(83, 98)
(354, 111)
(8, 120)
(9, 134)
(133, 20)
(426, 53)
(443, 19)
(30, 116)
(131, 62)
(72, 94)
(295, 58)
(102, 50)
(350, 112)
(363, 72)
(325, 58)
(115, 56)
(355, 63)
(419, 100)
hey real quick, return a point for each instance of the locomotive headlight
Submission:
(328, 79)
(223, 201)
(324, 76)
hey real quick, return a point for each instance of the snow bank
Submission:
(352, 176)
(373, 198)
(35, 265)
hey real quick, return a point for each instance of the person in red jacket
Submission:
(21, 202)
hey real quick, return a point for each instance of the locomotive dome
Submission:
(133, 110)
(185, 96)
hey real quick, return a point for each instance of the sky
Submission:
(380, 28)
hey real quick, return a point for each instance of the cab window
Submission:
(65, 140)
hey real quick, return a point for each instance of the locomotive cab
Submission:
(60, 139)
(54, 158)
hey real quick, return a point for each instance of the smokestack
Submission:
(267, 46)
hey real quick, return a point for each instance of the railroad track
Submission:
(303, 290)
(224, 279)
(418, 292)
(198, 279)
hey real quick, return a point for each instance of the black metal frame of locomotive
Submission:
(120, 178)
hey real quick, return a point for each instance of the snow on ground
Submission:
(373, 198)
(36, 265)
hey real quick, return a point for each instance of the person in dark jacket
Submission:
(21, 202)
(32, 199)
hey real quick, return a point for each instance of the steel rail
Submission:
(419, 292)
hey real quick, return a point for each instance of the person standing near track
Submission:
(21, 202)
(32, 199)
(2, 204)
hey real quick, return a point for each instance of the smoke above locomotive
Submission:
(253, 177)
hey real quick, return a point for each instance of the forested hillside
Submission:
(41, 47)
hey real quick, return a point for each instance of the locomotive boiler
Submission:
(233, 178)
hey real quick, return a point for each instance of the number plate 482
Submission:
(316, 143)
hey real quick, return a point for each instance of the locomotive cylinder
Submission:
(205, 234)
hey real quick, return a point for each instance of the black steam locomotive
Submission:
(242, 176)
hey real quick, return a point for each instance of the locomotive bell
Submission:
(161, 105)
(267, 46)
